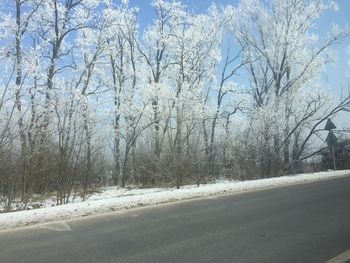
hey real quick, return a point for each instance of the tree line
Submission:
(88, 95)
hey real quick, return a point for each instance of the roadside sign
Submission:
(331, 139)
(329, 125)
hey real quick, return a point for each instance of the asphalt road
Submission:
(301, 223)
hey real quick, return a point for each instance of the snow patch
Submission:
(114, 198)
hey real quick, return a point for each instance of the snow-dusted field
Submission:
(113, 198)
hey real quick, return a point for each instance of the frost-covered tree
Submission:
(287, 59)
(86, 92)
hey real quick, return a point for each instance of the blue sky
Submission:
(337, 74)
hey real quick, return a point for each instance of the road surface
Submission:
(301, 223)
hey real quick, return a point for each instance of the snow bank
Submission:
(113, 198)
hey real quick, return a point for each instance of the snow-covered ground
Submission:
(113, 198)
